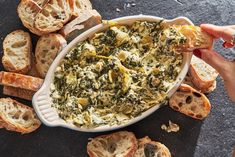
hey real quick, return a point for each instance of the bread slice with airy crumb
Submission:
(53, 16)
(122, 143)
(190, 102)
(47, 48)
(18, 117)
(27, 11)
(148, 148)
(203, 76)
(85, 20)
(78, 5)
(21, 81)
(17, 49)
(18, 92)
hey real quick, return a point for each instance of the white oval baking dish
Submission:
(42, 101)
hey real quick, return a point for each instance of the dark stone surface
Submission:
(213, 137)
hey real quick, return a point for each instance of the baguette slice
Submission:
(19, 93)
(27, 11)
(196, 38)
(41, 3)
(148, 148)
(123, 144)
(85, 20)
(17, 49)
(1, 123)
(18, 117)
(47, 48)
(78, 5)
(53, 16)
(190, 102)
(21, 81)
(203, 76)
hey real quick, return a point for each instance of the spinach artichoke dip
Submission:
(116, 75)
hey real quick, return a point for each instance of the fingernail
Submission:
(197, 53)
(227, 45)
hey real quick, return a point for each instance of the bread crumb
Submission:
(172, 127)
(118, 10)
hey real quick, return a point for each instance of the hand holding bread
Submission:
(225, 67)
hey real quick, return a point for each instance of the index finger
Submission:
(225, 32)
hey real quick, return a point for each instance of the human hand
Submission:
(225, 68)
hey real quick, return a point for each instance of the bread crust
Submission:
(21, 81)
(6, 59)
(18, 92)
(17, 127)
(119, 134)
(190, 102)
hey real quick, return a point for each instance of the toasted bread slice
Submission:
(1, 123)
(27, 11)
(48, 46)
(21, 81)
(1, 74)
(17, 49)
(85, 20)
(121, 143)
(203, 76)
(19, 93)
(78, 5)
(41, 3)
(147, 148)
(18, 117)
(190, 102)
(196, 38)
(53, 16)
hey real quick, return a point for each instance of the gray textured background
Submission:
(213, 137)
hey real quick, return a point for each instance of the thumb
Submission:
(214, 59)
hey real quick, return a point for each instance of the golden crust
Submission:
(190, 102)
(18, 92)
(21, 81)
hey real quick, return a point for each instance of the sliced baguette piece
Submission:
(78, 5)
(41, 3)
(148, 148)
(21, 81)
(203, 76)
(85, 20)
(53, 16)
(27, 11)
(19, 93)
(122, 143)
(47, 48)
(17, 49)
(1, 123)
(196, 38)
(190, 102)
(18, 117)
